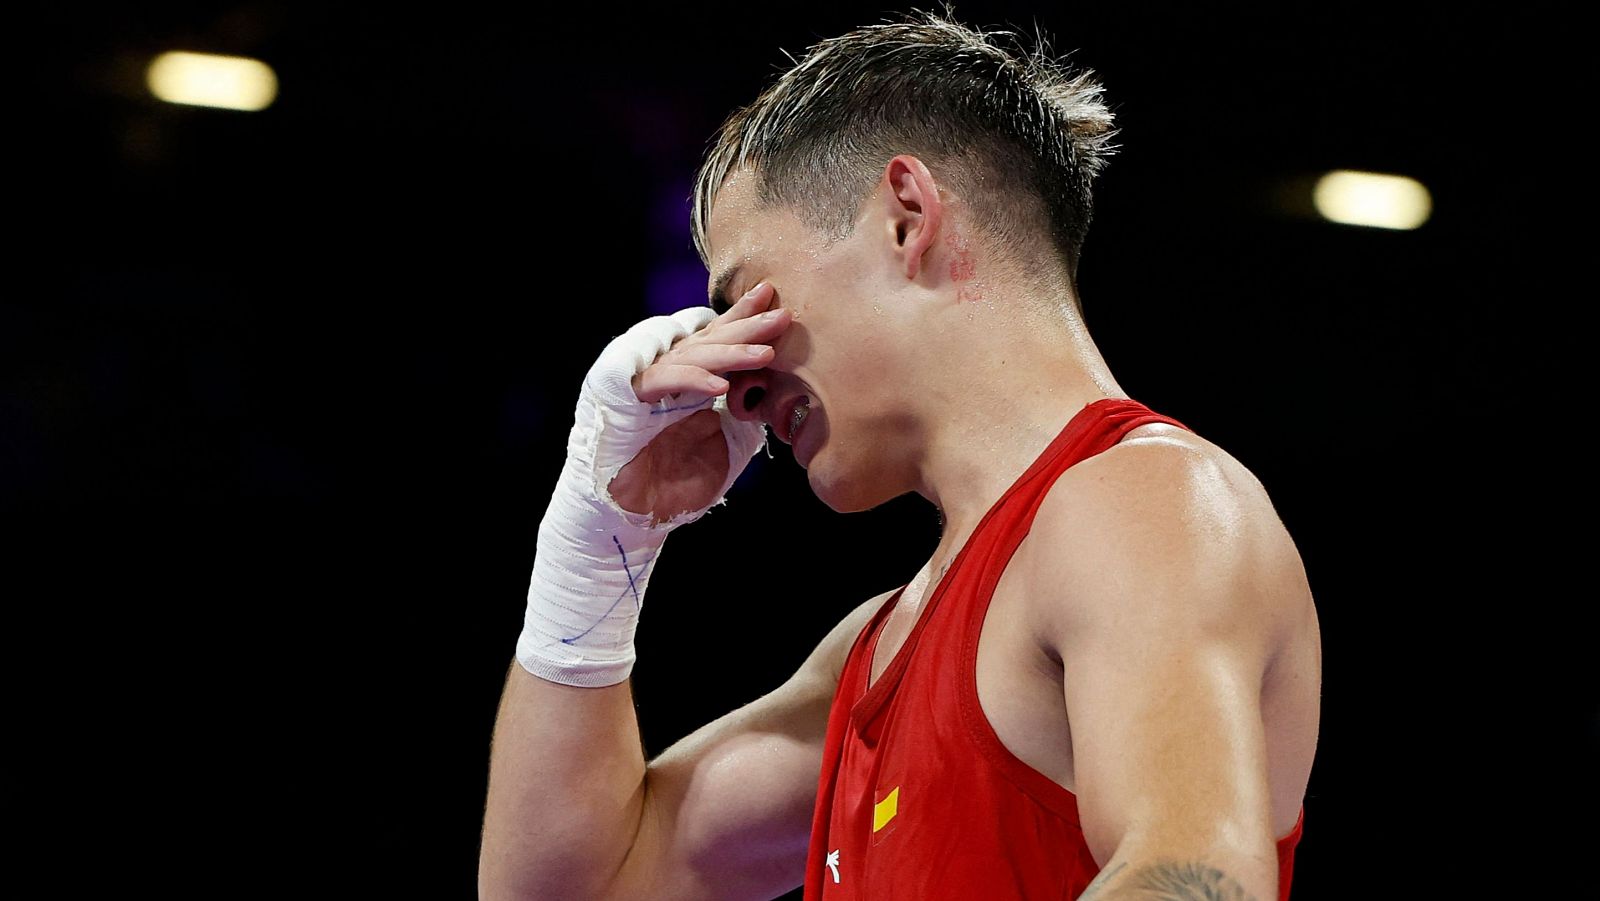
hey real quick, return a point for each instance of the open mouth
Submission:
(797, 416)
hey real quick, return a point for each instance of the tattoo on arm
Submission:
(1168, 881)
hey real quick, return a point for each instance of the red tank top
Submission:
(918, 798)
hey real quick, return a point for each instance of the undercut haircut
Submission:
(1015, 132)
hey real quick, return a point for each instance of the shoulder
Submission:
(1165, 526)
(1159, 479)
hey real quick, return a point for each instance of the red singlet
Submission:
(918, 798)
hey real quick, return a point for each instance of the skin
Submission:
(687, 463)
(909, 299)
(1157, 604)
(931, 369)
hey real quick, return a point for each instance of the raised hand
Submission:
(685, 466)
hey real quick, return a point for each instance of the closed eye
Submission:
(720, 289)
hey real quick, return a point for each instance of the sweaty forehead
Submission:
(734, 235)
(745, 237)
(732, 216)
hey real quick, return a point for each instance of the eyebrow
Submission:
(719, 292)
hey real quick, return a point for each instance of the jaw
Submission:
(845, 488)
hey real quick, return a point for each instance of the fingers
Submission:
(754, 301)
(762, 328)
(719, 358)
(693, 367)
(738, 339)
(693, 382)
(749, 321)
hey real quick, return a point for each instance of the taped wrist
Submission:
(593, 558)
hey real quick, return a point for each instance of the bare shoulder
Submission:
(1169, 474)
(1161, 451)
(1164, 505)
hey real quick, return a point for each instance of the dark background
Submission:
(283, 396)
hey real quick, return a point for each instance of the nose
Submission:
(747, 388)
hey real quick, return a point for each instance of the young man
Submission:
(1104, 683)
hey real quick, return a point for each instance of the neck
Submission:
(983, 433)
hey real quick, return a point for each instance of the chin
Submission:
(841, 495)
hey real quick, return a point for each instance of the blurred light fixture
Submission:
(203, 79)
(1372, 199)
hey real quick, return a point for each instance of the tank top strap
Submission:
(1098, 427)
(1109, 419)
(1094, 428)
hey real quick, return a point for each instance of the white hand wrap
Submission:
(593, 558)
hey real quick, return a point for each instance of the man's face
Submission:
(844, 350)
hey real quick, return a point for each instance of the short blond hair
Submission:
(1016, 133)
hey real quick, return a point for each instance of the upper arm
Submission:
(1158, 593)
(727, 812)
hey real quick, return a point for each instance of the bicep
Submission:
(728, 808)
(1168, 742)
(1161, 618)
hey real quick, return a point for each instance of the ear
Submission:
(913, 211)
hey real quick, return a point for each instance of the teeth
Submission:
(798, 416)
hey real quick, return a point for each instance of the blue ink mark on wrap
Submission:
(633, 587)
(685, 406)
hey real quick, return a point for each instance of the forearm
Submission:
(1144, 875)
(566, 790)
(567, 787)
